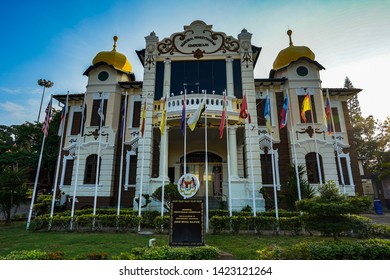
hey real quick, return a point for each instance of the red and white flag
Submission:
(46, 123)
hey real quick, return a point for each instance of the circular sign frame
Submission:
(188, 185)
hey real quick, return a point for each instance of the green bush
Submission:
(238, 223)
(161, 221)
(93, 256)
(128, 222)
(262, 223)
(32, 255)
(220, 223)
(41, 222)
(291, 224)
(380, 230)
(176, 253)
(373, 249)
(148, 218)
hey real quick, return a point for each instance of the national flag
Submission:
(328, 112)
(183, 117)
(163, 117)
(101, 111)
(223, 118)
(193, 120)
(284, 113)
(143, 117)
(305, 107)
(267, 114)
(46, 123)
(244, 110)
(84, 119)
(62, 121)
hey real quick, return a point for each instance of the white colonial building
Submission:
(192, 62)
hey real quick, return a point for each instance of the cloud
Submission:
(12, 113)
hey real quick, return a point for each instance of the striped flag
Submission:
(123, 112)
(46, 123)
(193, 120)
(267, 114)
(223, 118)
(62, 121)
(284, 113)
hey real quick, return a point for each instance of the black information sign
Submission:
(187, 223)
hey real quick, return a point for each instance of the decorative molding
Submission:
(198, 39)
(310, 131)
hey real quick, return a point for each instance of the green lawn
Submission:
(76, 244)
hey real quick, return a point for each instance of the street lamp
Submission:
(45, 84)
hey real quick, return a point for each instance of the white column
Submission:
(164, 155)
(167, 77)
(233, 152)
(229, 77)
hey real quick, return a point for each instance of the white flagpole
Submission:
(123, 128)
(142, 169)
(294, 148)
(335, 143)
(78, 161)
(58, 164)
(37, 175)
(315, 142)
(273, 161)
(206, 163)
(228, 159)
(185, 133)
(98, 160)
(163, 166)
(251, 161)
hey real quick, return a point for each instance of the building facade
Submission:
(187, 67)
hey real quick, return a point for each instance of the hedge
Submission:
(372, 249)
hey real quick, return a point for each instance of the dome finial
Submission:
(115, 39)
(289, 32)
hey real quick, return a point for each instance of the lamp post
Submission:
(45, 84)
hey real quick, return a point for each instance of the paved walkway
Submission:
(383, 219)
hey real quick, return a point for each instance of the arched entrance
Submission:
(196, 165)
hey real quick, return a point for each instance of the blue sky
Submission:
(57, 40)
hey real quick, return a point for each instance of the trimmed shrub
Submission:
(238, 222)
(220, 223)
(373, 249)
(291, 224)
(262, 223)
(161, 221)
(178, 253)
(32, 255)
(380, 230)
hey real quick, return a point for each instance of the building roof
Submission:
(292, 53)
(341, 91)
(72, 97)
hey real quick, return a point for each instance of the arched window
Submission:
(312, 168)
(90, 169)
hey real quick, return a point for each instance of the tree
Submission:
(170, 193)
(12, 191)
(289, 191)
(329, 212)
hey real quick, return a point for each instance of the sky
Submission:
(57, 41)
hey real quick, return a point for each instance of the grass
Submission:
(75, 244)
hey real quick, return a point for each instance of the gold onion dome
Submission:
(291, 54)
(115, 59)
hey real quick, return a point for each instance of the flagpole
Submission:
(294, 150)
(228, 158)
(251, 161)
(206, 163)
(335, 143)
(273, 161)
(123, 131)
(78, 161)
(38, 170)
(163, 133)
(98, 160)
(185, 133)
(58, 163)
(142, 169)
(315, 141)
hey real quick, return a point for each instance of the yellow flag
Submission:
(305, 106)
(163, 118)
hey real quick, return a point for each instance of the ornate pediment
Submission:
(198, 40)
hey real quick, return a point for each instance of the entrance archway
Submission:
(196, 165)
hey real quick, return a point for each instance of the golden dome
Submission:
(115, 59)
(291, 54)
